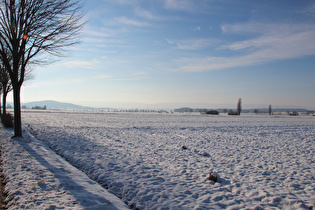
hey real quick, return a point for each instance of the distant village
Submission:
(277, 111)
(289, 111)
(54, 105)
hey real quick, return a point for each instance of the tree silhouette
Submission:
(239, 106)
(6, 87)
(30, 28)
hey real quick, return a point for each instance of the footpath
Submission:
(37, 178)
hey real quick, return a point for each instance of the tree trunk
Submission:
(17, 111)
(4, 103)
(0, 105)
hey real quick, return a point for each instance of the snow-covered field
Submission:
(162, 161)
(37, 178)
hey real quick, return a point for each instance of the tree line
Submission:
(237, 111)
(31, 31)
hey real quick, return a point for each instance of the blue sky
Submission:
(186, 52)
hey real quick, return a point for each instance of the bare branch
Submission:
(29, 28)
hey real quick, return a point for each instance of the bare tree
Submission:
(239, 106)
(6, 87)
(0, 96)
(29, 28)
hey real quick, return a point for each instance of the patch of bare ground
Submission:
(2, 186)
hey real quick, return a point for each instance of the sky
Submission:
(191, 53)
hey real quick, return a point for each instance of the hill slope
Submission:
(50, 104)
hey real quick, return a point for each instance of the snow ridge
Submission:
(37, 178)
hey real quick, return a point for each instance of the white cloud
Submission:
(79, 64)
(101, 36)
(197, 28)
(146, 14)
(185, 5)
(99, 32)
(206, 64)
(263, 28)
(122, 2)
(193, 44)
(102, 76)
(286, 41)
(140, 73)
(271, 42)
(58, 82)
(131, 22)
(310, 10)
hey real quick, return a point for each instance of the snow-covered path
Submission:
(37, 178)
(263, 161)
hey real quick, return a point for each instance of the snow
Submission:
(163, 161)
(37, 178)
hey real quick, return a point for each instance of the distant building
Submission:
(40, 108)
(212, 112)
(231, 112)
(294, 113)
(184, 109)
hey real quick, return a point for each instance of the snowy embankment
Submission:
(37, 178)
(156, 161)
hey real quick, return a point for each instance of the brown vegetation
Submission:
(2, 187)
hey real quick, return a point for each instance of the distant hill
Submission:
(50, 104)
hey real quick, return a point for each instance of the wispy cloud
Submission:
(185, 5)
(121, 2)
(310, 10)
(93, 64)
(197, 28)
(283, 41)
(100, 32)
(205, 64)
(147, 14)
(124, 1)
(193, 44)
(127, 76)
(56, 82)
(270, 42)
(102, 76)
(131, 22)
(264, 28)
(102, 36)
(140, 73)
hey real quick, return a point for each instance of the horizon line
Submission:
(172, 105)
